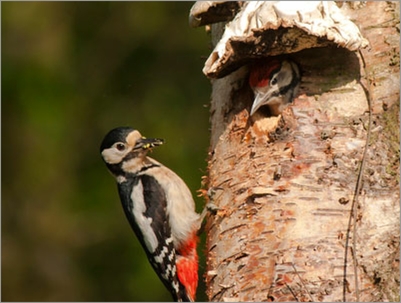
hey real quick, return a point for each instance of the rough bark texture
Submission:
(271, 28)
(287, 183)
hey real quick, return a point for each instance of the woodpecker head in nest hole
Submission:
(274, 83)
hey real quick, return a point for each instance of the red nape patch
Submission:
(261, 72)
(187, 266)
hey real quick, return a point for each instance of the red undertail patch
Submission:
(187, 266)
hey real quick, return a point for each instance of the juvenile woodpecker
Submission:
(274, 83)
(159, 207)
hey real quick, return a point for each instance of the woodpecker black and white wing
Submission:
(144, 204)
(159, 208)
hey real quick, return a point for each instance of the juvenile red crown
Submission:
(274, 83)
(262, 72)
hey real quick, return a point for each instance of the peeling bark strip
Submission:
(287, 181)
(269, 28)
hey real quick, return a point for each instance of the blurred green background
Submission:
(71, 71)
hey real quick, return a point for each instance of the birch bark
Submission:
(288, 182)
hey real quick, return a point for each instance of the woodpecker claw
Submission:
(212, 191)
(210, 207)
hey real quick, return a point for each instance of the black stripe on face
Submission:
(145, 168)
(116, 169)
(130, 155)
(284, 90)
(294, 82)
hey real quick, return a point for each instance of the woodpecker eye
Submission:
(120, 146)
(274, 81)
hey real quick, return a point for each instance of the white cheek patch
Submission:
(285, 75)
(112, 156)
(141, 220)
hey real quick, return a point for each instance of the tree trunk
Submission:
(288, 184)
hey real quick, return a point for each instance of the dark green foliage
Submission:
(72, 71)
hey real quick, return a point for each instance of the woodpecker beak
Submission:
(261, 98)
(145, 143)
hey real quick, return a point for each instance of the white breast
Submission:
(180, 204)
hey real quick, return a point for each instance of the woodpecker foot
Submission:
(211, 192)
(210, 207)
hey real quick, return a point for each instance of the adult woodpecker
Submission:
(274, 83)
(159, 207)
